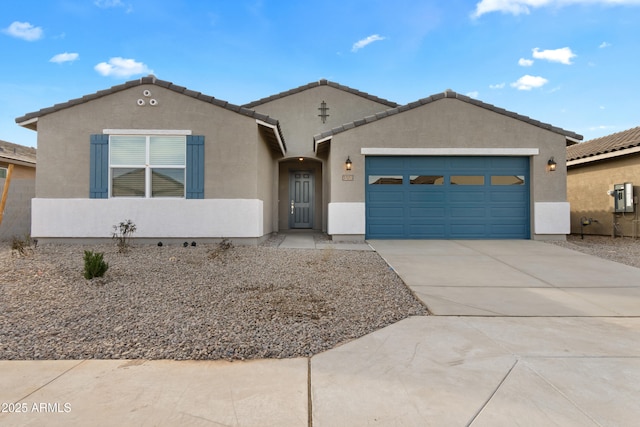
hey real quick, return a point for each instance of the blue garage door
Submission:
(447, 197)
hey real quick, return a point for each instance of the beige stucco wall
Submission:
(16, 221)
(587, 187)
(449, 123)
(267, 169)
(231, 140)
(299, 119)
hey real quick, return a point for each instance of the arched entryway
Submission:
(300, 201)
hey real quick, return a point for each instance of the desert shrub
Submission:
(94, 265)
(22, 246)
(223, 246)
(122, 233)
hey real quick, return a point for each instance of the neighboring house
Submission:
(323, 156)
(17, 188)
(594, 167)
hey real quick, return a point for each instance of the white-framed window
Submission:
(3, 172)
(147, 165)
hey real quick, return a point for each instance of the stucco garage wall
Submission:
(587, 187)
(451, 123)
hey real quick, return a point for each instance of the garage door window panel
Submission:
(426, 179)
(386, 180)
(507, 180)
(467, 179)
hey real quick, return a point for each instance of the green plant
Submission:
(94, 265)
(122, 233)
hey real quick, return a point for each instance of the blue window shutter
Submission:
(195, 167)
(99, 168)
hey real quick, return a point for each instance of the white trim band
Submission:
(449, 151)
(146, 132)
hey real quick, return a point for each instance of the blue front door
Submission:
(301, 193)
(455, 197)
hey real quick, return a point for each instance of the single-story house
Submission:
(17, 188)
(323, 156)
(593, 168)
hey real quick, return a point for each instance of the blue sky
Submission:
(572, 63)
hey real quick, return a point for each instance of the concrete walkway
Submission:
(525, 333)
(306, 240)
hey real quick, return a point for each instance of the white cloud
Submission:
(525, 62)
(474, 94)
(366, 41)
(107, 4)
(497, 86)
(604, 44)
(562, 55)
(24, 31)
(601, 127)
(517, 7)
(64, 57)
(121, 67)
(528, 82)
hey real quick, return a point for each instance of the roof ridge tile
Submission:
(322, 82)
(454, 95)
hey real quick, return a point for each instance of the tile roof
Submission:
(13, 152)
(26, 120)
(607, 144)
(154, 81)
(447, 94)
(319, 83)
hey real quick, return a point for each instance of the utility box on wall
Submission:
(623, 197)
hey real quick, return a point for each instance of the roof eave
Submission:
(26, 163)
(276, 132)
(31, 123)
(603, 156)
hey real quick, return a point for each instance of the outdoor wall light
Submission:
(552, 164)
(348, 164)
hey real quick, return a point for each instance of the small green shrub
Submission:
(94, 265)
(122, 233)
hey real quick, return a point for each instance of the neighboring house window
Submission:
(3, 173)
(147, 166)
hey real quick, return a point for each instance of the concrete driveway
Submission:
(512, 278)
(570, 356)
(524, 333)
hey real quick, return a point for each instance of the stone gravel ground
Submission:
(624, 250)
(200, 302)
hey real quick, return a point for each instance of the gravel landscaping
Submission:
(205, 302)
(621, 249)
(201, 302)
